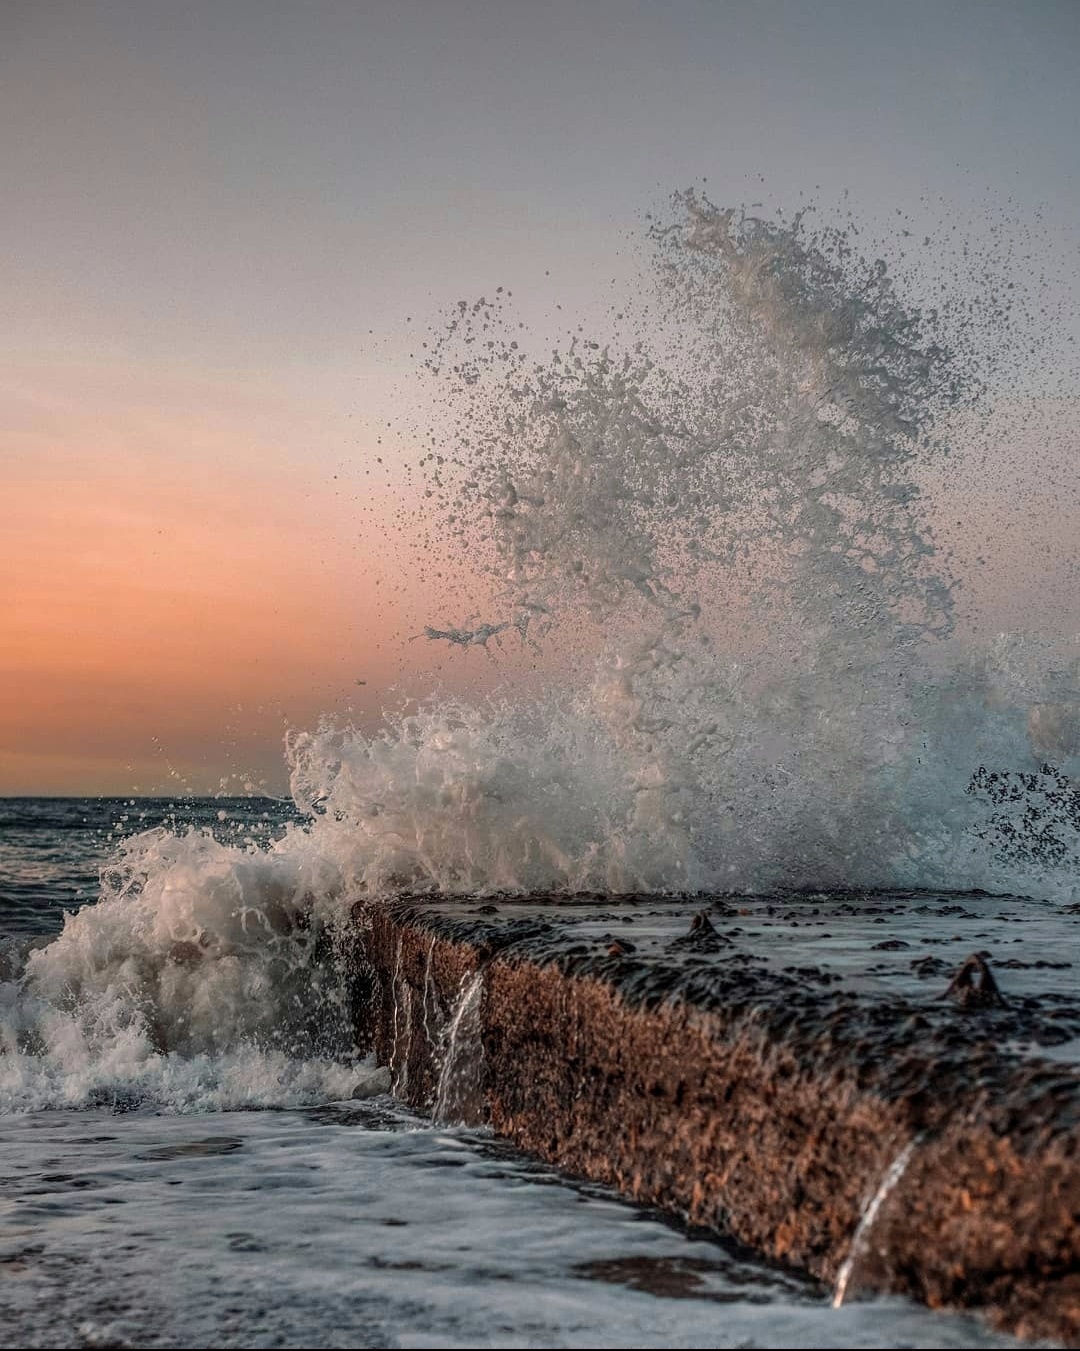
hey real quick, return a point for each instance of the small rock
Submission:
(376, 1082)
(974, 987)
(702, 937)
(620, 948)
(925, 967)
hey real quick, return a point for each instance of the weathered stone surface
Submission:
(767, 1100)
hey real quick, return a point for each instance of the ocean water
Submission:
(53, 850)
(740, 523)
(136, 1212)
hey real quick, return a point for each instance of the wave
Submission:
(717, 527)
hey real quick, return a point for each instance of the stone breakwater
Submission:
(827, 1079)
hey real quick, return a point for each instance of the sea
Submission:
(163, 1199)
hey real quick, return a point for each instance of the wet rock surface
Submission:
(757, 1066)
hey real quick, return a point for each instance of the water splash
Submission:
(207, 975)
(893, 1174)
(724, 511)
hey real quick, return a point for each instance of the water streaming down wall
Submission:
(861, 1237)
(458, 1096)
(427, 1023)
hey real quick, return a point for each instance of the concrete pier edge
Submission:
(779, 1117)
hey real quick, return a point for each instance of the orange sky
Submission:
(192, 563)
(181, 574)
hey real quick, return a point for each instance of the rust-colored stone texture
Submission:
(757, 1107)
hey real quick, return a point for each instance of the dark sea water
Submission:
(52, 849)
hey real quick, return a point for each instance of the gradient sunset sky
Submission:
(220, 221)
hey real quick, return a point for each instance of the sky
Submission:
(222, 222)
